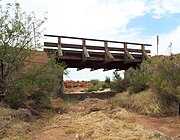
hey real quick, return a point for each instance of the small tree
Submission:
(107, 80)
(18, 32)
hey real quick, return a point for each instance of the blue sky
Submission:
(123, 20)
(154, 26)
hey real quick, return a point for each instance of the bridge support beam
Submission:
(144, 54)
(127, 55)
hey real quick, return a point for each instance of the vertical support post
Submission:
(59, 47)
(143, 50)
(85, 53)
(108, 54)
(125, 51)
(105, 48)
(127, 55)
(61, 77)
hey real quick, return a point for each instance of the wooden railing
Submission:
(85, 49)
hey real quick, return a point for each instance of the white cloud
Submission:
(92, 18)
(161, 8)
(171, 37)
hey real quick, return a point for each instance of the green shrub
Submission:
(15, 98)
(138, 82)
(35, 87)
(100, 86)
(94, 81)
(137, 79)
(166, 78)
(107, 80)
(118, 84)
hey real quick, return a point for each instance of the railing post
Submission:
(108, 54)
(127, 54)
(142, 49)
(125, 50)
(59, 47)
(144, 54)
(85, 54)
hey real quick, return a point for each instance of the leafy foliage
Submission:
(107, 80)
(118, 84)
(18, 32)
(166, 79)
(137, 79)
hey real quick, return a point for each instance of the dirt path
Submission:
(168, 125)
(96, 119)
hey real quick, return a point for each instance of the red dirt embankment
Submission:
(75, 86)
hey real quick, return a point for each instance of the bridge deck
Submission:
(96, 54)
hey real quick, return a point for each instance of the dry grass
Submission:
(20, 123)
(14, 122)
(106, 123)
(146, 102)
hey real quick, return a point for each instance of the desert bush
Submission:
(166, 78)
(94, 81)
(160, 75)
(35, 87)
(97, 87)
(118, 84)
(107, 80)
(137, 79)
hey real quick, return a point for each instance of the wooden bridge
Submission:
(96, 54)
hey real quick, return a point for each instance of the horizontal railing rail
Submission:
(100, 40)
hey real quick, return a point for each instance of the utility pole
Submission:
(170, 48)
(157, 44)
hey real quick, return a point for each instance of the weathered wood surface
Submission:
(82, 55)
